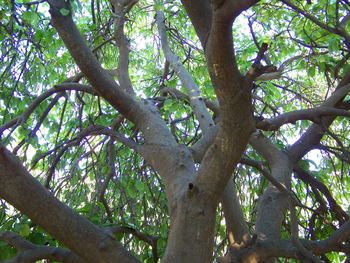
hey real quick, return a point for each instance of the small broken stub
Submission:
(191, 190)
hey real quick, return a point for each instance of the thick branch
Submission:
(237, 228)
(228, 10)
(200, 14)
(199, 148)
(148, 122)
(234, 97)
(233, 93)
(273, 203)
(285, 248)
(263, 250)
(314, 134)
(17, 186)
(88, 63)
(314, 115)
(28, 252)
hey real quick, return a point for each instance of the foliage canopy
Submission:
(188, 131)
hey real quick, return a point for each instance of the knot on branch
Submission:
(257, 68)
(265, 125)
(191, 190)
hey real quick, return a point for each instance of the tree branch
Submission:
(56, 89)
(236, 226)
(196, 100)
(88, 64)
(307, 178)
(200, 14)
(28, 252)
(228, 10)
(143, 116)
(17, 186)
(121, 9)
(151, 240)
(262, 250)
(310, 17)
(275, 200)
(314, 115)
(315, 132)
(295, 236)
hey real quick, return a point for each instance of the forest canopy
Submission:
(174, 131)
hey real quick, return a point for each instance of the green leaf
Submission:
(140, 187)
(77, 6)
(304, 164)
(64, 12)
(37, 238)
(6, 252)
(30, 17)
(347, 27)
(333, 44)
(24, 230)
(131, 191)
(312, 71)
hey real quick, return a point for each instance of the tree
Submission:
(188, 131)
